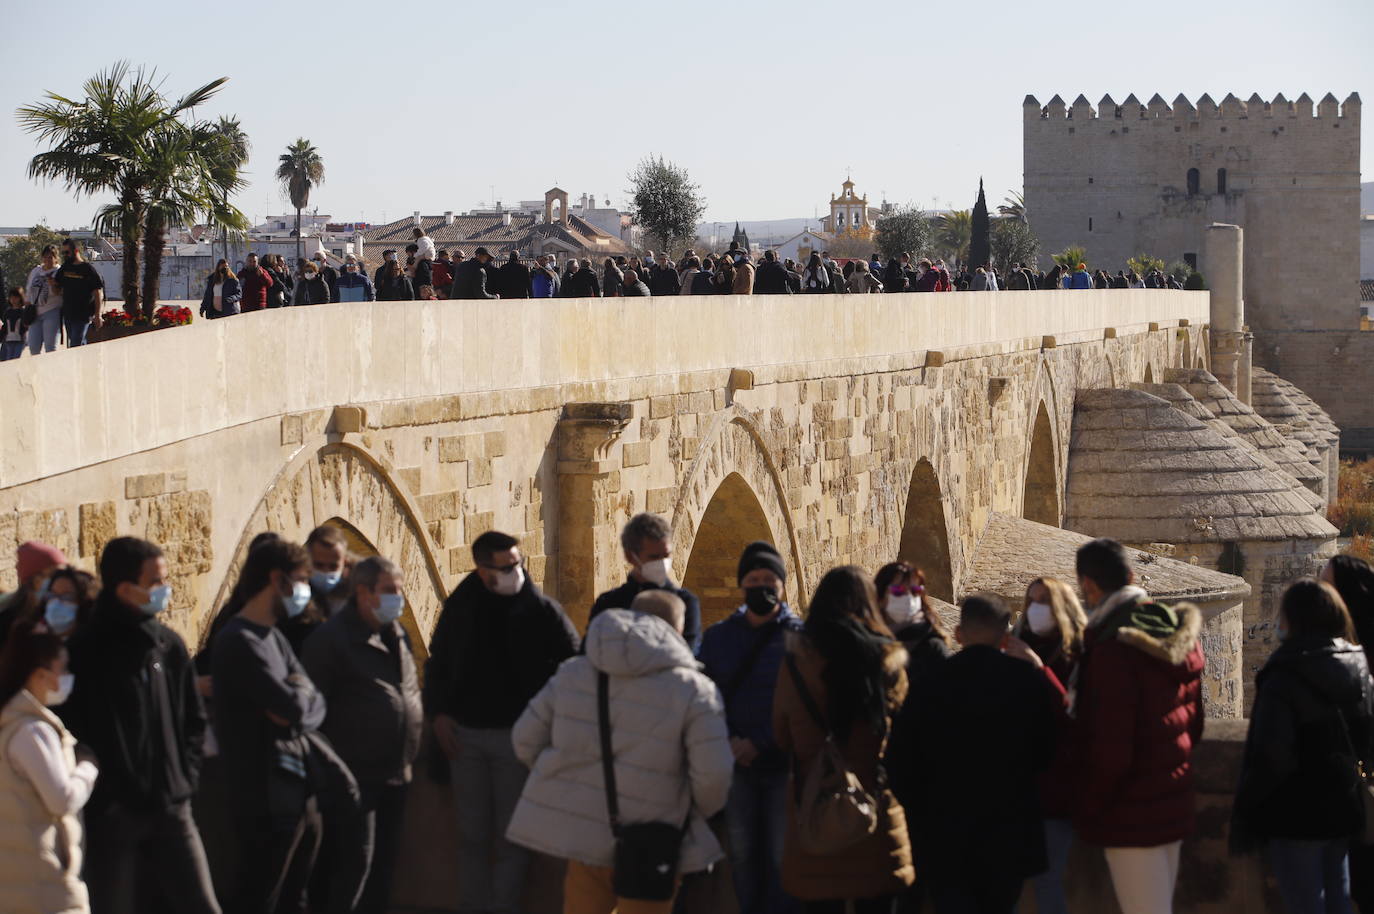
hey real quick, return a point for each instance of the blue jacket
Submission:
(749, 706)
(542, 285)
(357, 281)
(1080, 280)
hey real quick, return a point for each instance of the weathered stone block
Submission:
(830, 389)
(145, 486)
(660, 407)
(474, 525)
(836, 449)
(460, 560)
(660, 501)
(479, 472)
(99, 524)
(454, 448)
(700, 402)
(635, 454)
(494, 443)
(292, 430)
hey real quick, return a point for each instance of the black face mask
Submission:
(761, 601)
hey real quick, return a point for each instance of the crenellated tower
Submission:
(1148, 178)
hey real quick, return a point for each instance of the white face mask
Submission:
(1040, 618)
(510, 582)
(65, 681)
(655, 572)
(904, 609)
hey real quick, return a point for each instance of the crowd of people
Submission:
(864, 756)
(63, 294)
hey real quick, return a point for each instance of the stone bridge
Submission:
(960, 432)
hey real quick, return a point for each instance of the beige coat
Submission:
(878, 865)
(40, 853)
(744, 279)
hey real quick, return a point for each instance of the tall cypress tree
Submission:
(980, 245)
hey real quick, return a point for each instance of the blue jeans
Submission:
(1049, 885)
(1313, 876)
(44, 331)
(756, 813)
(76, 330)
(11, 349)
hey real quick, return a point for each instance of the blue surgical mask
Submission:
(60, 615)
(389, 607)
(326, 580)
(297, 600)
(158, 598)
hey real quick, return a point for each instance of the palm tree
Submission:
(99, 143)
(1071, 257)
(299, 170)
(954, 234)
(226, 153)
(1013, 206)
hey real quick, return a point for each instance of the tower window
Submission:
(1090, 223)
(1090, 180)
(1194, 181)
(1190, 259)
(1221, 180)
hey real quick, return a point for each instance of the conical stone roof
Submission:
(1014, 551)
(1275, 407)
(1183, 401)
(1319, 419)
(1141, 471)
(1293, 456)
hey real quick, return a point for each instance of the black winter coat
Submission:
(395, 288)
(622, 596)
(135, 704)
(470, 280)
(771, 279)
(583, 284)
(894, 277)
(664, 281)
(490, 654)
(514, 279)
(926, 654)
(1297, 780)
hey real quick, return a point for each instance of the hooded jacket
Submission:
(1297, 780)
(671, 751)
(1138, 707)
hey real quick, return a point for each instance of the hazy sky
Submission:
(430, 106)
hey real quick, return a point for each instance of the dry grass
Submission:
(1353, 511)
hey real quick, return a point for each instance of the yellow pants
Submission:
(587, 890)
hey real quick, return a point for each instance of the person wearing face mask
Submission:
(646, 540)
(329, 587)
(1052, 625)
(901, 594)
(743, 654)
(1137, 704)
(82, 291)
(255, 283)
(1311, 725)
(361, 662)
(33, 562)
(136, 705)
(70, 598)
(354, 285)
(265, 708)
(498, 640)
(328, 273)
(45, 779)
(222, 293)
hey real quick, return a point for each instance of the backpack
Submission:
(833, 811)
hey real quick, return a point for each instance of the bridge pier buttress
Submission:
(1232, 341)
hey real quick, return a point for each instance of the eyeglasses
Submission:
(901, 590)
(503, 569)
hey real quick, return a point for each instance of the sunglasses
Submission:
(901, 590)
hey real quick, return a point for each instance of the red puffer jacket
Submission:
(1139, 714)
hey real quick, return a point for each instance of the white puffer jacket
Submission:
(668, 736)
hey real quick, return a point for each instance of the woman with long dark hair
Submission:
(846, 667)
(817, 277)
(901, 590)
(222, 292)
(1311, 725)
(44, 779)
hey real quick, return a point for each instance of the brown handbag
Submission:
(833, 811)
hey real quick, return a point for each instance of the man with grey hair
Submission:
(361, 662)
(647, 542)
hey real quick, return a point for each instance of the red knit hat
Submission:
(36, 557)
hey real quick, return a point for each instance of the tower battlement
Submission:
(1132, 109)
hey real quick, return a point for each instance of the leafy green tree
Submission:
(1143, 265)
(300, 170)
(980, 237)
(907, 229)
(100, 144)
(1195, 282)
(1180, 270)
(22, 254)
(1013, 242)
(1071, 257)
(665, 201)
(953, 235)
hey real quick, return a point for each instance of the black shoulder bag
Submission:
(646, 853)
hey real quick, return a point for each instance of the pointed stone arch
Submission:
(1040, 500)
(734, 479)
(344, 484)
(925, 531)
